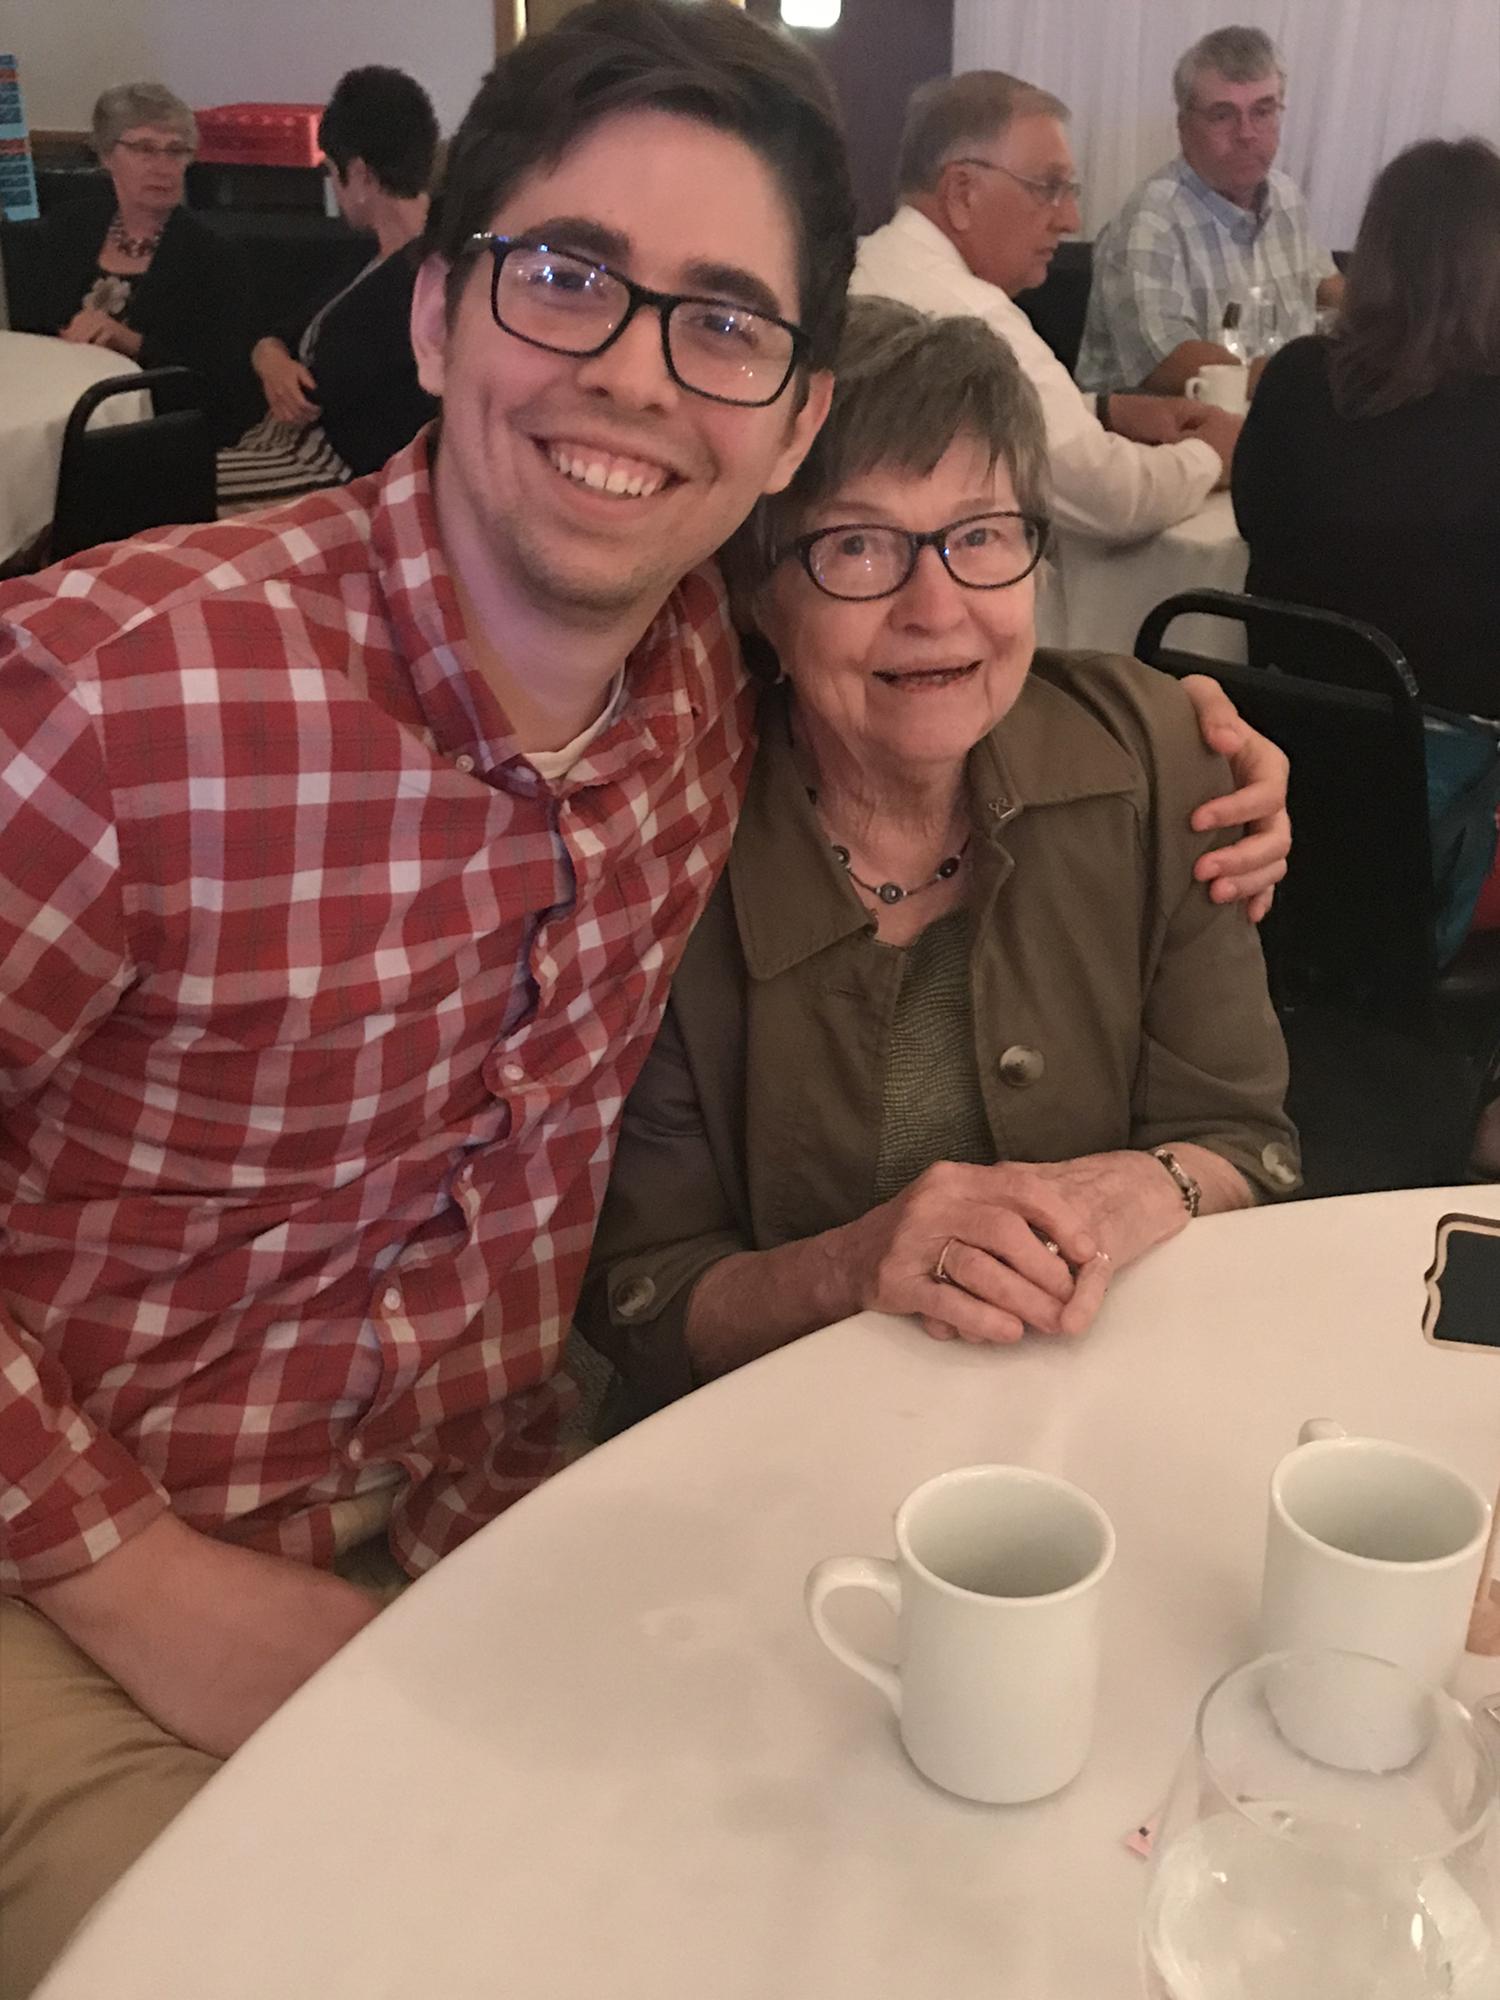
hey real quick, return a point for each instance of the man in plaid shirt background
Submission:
(1211, 226)
(348, 854)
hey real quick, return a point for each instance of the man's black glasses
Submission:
(570, 304)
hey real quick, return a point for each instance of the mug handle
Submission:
(1316, 1429)
(855, 1573)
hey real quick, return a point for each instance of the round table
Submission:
(1096, 596)
(600, 1752)
(40, 381)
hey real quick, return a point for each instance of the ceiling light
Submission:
(811, 13)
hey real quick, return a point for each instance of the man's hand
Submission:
(1249, 870)
(289, 387)
(1221, 429)
(91, 328)
(207, 1638)
(1156, 419)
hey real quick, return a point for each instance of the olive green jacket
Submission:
(1113, 1003)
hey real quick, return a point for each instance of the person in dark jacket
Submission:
(136, 272)
(1367, 479)
(346, 397)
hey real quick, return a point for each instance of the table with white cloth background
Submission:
(599, 1752)
(1095, 596)
(41, 378)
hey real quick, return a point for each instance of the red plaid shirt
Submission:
(317, 1009)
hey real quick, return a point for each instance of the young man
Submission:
(348, 853)
(987, 190)
(1205, 229)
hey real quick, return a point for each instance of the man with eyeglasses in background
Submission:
(1216, 224)
(986, 190)
(349, 851)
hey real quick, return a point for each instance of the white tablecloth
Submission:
(598, 1752)
(1096, 597)
(40, 381)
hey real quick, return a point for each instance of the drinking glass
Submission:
(1263, 334)
(1332, 1835)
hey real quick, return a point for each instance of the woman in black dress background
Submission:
(343, 397)
(136, 272)
(1367, 477)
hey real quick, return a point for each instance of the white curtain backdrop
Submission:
(1364, 79)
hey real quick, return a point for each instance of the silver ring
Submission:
(1049, 1244)
(940, 1268)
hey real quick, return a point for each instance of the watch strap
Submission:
(1187, 1187)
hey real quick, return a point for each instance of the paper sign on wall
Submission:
(17, 174)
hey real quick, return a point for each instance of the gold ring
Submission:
(940, 1268)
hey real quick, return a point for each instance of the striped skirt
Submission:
(274, 462)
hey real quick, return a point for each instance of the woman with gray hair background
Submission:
(136, 272)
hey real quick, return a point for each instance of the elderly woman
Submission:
(959, 1034)
(138, 273)
(341, 393)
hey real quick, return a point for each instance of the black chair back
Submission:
(154, 473)
(1058, 307)
(1352, 925)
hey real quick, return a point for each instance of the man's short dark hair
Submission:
(707, 61)
(385, 118)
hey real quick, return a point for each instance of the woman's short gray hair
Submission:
(907, 386)
(126, 105)
(1239, 55)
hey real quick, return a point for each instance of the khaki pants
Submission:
(87, 1781)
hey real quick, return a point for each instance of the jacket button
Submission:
(1020, 1066)
(1279, 1164)
(634, 1297)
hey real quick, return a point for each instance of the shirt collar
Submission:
(1241, 222)
(791, 897)
(672, 676)
(920, 229)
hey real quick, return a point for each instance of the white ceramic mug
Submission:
(996, 1586)
(1225, 384)
(1374, 1548)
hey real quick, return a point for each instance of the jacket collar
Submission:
(792, 899)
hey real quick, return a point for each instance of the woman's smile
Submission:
(926, 680)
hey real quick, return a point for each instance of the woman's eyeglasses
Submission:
(147, 149)
(856, 560)
(572, 305)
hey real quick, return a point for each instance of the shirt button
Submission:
(634, 1297)
(464, 762)
(1279, 1164)
(354, 1451)
(392, 1299)
(513, 1072)
(1021, 1067)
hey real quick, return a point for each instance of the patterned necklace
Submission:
(890, 893)
(131, 246)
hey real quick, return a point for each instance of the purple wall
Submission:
(877, 55)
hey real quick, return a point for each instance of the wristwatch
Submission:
(1187, 1187)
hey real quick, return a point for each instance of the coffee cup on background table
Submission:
(1224, 384)
(1372, 1548)
(997, 1590)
